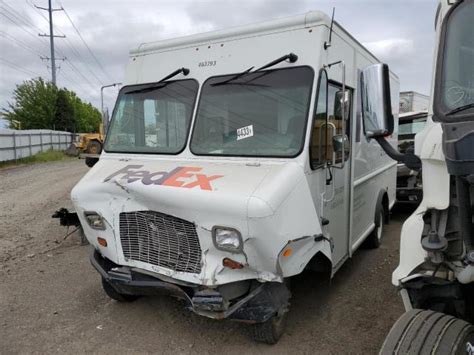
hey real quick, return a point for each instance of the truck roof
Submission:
(309, 19)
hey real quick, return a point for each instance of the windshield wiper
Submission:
(161, 83)
(291, 57)
(462, 108)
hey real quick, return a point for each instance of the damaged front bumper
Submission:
(247, 301)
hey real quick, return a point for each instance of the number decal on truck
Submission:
(209, 63)
(245, 132)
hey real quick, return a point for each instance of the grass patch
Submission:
(50, 155)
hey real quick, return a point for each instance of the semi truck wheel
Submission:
(112, 293)
(427, 332)
(270, 332)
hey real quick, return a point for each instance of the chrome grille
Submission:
(159, 239)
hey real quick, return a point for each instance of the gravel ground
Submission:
(51, 299)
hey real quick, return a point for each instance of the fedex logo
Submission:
(182, 176)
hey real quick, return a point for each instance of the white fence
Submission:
(16, 144)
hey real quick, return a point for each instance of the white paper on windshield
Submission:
(245, 132)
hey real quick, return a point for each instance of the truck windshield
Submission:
(152, 119)
(259, 114)
(411, 128)
(457, 87)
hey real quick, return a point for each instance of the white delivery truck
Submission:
(235, 160)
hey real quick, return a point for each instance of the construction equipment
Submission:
(89, 143)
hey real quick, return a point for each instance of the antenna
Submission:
(328, 43)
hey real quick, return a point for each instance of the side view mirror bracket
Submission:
(409, 159)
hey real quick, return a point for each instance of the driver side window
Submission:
(318, 148)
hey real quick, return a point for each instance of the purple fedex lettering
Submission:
(148, 180)
(125, 170)
(178, 177)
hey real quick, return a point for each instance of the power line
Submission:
(20, 43)
(21, 69)
(68, 43)
(85, 43)
(51, 38)
(15, 22)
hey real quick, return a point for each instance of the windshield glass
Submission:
(259, 114)
(457, 87)
(411, 128)
(152, 119)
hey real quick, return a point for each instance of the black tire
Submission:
(427, 332)
(113, 294)
(90, 162)
(94, 147)
(374, 240)
(270, 332)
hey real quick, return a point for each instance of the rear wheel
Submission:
(270, 332)
(94, 147)
(374, 240)
(112, 293)
(427, 332)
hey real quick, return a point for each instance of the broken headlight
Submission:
(228, 239)
(95, 220)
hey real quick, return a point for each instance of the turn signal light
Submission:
(231, 264)
(287, 252)
(102, 241)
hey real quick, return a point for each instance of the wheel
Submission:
(90, 162)
(427, 332)
(112, 293)
(94, 147)
(270, 332)
(374, 240)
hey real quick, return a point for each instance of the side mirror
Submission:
(339, 141)
(376, 103)
(340, 147)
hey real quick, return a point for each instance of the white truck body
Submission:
(278, 204)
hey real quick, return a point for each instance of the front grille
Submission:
(159, 239)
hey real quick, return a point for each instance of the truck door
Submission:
(330, 176)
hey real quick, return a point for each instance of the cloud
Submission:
(393, 49)
(398, 32)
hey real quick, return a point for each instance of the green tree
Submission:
(41, 105)
(34, 104)
(64, 119)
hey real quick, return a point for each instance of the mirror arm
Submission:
(409, 159)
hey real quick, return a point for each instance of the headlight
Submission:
(94, 220)
(228, 239)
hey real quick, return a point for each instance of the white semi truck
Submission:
(436, 271)
(234, 161)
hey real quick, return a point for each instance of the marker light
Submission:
(94, 220)
(102, 241)
(228, 239)
(232, 264)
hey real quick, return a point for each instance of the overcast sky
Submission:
(400, 33)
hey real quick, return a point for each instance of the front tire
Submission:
(113, 294)
(427, 332)
(270, 332)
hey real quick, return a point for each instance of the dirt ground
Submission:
(51, 298)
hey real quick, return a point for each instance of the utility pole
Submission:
(51, 38)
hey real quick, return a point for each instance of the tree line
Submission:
(42, 105)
